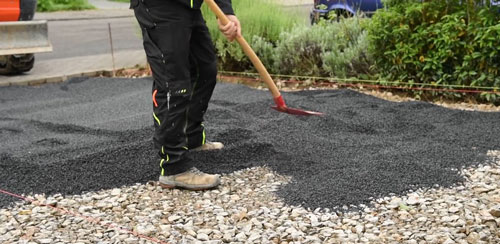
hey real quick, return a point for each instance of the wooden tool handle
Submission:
(248, 51)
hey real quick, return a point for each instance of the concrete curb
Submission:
(83, 15)
(87, 18)
(60, 70)
(57, 79)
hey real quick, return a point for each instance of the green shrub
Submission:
(287, 45)
(335, 49)
(260, 19)
(264, 18)
(62, 5)
(437, 42)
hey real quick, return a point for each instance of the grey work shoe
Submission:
(209, 145)
(192, 179)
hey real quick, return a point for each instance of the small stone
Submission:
(450, 218)
(359, 229)
(45, 241)
(483, 189)
(394, 203)
(388, 222)
(99, 197)
(495, 211)
(131, 240)
(253, 237)
(413, 200)
(371, 237)
(430, 238)
(190, 231)
(453, 210)
(205, 231)
(15, 233)
(422, 219)
(227, 237)
(325, 217)
(115, 192)
(84, 209)
(312, 239)
(202, 237)
(473, 238)
(145, 230)
(295, 213)
(339, 233)
(314, 220)
(291, 230)
(247, 228)
(326, 232)
(174, 218)
(373, 219)
(25, 212)
(449, 241)
(241, 237)
(268, 225)
(51, 202)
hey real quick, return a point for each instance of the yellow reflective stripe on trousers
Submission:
(161, 165)
(162, 150)
(156, 118)
(204, 136)
(191, 3)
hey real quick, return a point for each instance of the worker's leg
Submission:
(166, 32)
(203, 77)
(166, 28)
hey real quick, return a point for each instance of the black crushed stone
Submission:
(89, 134)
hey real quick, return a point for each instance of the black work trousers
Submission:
(182, 57)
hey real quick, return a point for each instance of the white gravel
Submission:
(245, 210)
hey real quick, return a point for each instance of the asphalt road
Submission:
(91, 133)
(85, 37)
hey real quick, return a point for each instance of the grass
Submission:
(262, 18)
(63, 5)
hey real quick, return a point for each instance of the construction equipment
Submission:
(20, 37)
(278, 99)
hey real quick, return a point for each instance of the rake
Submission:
(278, 98)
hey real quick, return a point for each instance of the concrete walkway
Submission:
(85, 14)
(106, 4)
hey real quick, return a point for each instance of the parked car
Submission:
(346, 8)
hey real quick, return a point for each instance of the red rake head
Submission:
(281, 107)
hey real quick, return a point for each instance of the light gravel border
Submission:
(245, 210)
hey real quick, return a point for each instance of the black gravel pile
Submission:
(91, 134)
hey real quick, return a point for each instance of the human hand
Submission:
(232, 29)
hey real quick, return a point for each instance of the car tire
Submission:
(28, 9)
(16, 64)
(314, 18)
